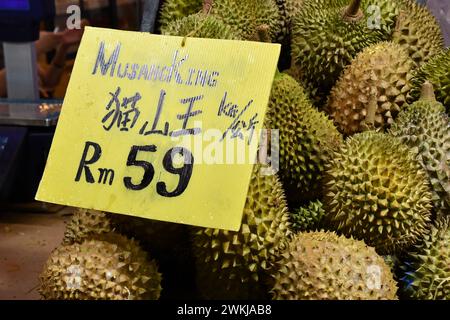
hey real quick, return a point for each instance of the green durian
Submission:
(325, 266)
(425, 127)
(306, 138)
(418, 32)
(172, 10)
(168, 243)
(245, 16)
(86, 223)
(392, 261)
(327, 35)
(381, 72)
(157, 236)
(426, 270)
(288, 9)
(201, 25)
(436, 71)
(236, 265)
(293, 7)
(308, 217)
(110, 267)
(376, 191)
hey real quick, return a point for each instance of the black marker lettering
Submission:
(100, 61)
(84, 163)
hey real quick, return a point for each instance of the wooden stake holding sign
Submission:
(154, 129)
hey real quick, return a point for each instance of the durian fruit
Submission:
(381, 72)
(85, 223)
(427, 268)
(425, 127)
(392, 261)
(436, 71)
(308, 217)
(307, 138)
(172, 10)
(169, 243)
(325, 266)
(235, 265)
(376, 191)
(245, 16)
(418, 32)
(288, 9)
(202, 25)
(327, 35)
(293, 7)
(110, 267)
(156, 236)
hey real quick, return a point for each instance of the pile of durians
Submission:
(360, 208)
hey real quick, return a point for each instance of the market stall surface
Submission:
(26, 241)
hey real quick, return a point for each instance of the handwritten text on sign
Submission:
(158, 130)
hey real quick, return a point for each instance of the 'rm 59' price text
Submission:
(107, 175)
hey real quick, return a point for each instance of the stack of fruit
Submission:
(360, 208)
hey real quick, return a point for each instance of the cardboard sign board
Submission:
(158, 128)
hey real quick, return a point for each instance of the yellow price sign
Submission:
(156, 129)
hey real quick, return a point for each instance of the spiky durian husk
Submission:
(418, 32)
(323, 43)
(392, 261)
(85, 223)
(157, 236)
(110, 267)
(172, 10)
(288, 9)
(245, 16)
(324, 266)
(237, 264)
(377, 191)
(169, 244)
(293, 7)
(201, 26)
(436, 71)
(308, 218)
(425, 128)
(307, 138)
(427, 268)
(381, 72)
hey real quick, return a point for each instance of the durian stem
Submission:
(353, 8)
(427, 92)
(371, 112)
(207, 6)
(263, 33)
(400, 18)
(352, 12)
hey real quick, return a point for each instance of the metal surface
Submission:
(29, 114)
(21, 70)
(151, 8)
